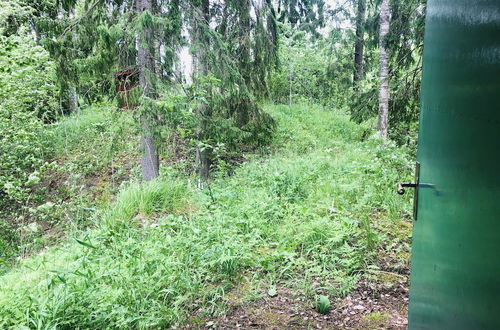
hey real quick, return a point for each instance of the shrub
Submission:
(27, 100)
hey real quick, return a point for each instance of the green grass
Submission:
(308, 216)
(86, 158)
(92, 139)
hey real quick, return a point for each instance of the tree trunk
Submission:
(360, 42)
(384, 70)
(200, 65)
(145, 61)
(244, 41)
(36, 30)
(73, 100)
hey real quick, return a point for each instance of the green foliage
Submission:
(13, 14)
(27, 99)
(302, 75)
(56, 174)
(27, 102)
(319, 68)
(163, 196)
(323, 304)
(91, 139)
(232, 122)
(21, 153)
(231, 118)
(162, 250)
(27, 78)
(308, 15)
(312, 70)
(405, 45)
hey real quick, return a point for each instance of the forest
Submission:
(207, 163)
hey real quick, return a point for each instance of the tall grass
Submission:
(87, 141)
(303, 217)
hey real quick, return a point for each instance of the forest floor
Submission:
(377, 301)
(369, 306)
(314, 215)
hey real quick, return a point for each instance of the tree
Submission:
(234, 45)
(306, 15)
(401, 48)
(360, 42)
(405, 48)
(200, 23)
(233, 54)
(383, 116)
(146, 66)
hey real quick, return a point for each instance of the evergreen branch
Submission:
(89, 12)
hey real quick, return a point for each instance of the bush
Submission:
(27, 78)
(27, 100)
(21, 153)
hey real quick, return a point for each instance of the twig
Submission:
(387, 273)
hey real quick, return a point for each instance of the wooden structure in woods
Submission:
(126, 82)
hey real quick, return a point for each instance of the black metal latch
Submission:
(403, 185)
(416, 185)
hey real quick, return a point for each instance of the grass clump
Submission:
(159, 197)
(306, 217)
(323, 304)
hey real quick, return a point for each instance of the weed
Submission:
(322, 304)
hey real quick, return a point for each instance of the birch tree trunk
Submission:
(145, 61)
(360, 42)
(383, 112)
(73, 100)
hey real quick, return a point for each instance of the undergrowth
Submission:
(307, 216)
(85, 158)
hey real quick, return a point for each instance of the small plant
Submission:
(272, 291)
(323, 304)
(376, 320)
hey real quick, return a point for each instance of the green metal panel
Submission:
(455, 271)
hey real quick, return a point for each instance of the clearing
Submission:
(315, 215)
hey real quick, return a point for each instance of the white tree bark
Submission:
(73, 100)
(383, 112)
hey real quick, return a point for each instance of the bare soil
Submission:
(378, 303)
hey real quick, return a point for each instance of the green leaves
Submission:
(13, 14)
(145, 20)
(27, 101)
(88, 245)
(322, 304)
(27, 78)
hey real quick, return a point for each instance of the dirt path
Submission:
(379, 304)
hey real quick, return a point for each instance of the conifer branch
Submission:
(89, 12)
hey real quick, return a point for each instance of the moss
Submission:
(376, 320)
